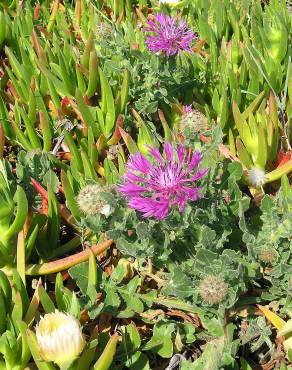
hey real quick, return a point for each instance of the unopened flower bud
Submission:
(60, 338)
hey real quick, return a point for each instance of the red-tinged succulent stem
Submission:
(227, 154)
(279, 172)
(67, 262)
(141, 16)
(78, 11)
(66, 215)
(117, 135)
(39, 50)
(36, 12)
(130, 143)
(53, 16)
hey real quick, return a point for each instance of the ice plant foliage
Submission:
(155, 186)
(60, 338)
(168, 35)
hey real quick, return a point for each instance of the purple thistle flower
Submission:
(154, 187)
(169, 35)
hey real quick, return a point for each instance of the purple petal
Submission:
(168, 151)
(154, 187)
(196, 158)
(181, 153)
(199, 174)
(129, 189)
(150, 207)
(168, 35)
(139, 162)
(155, 152)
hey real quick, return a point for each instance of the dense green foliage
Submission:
(208, 288)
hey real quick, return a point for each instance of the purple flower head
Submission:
(155, 186)
(169, 35)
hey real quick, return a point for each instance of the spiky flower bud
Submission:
(213, 289)
(268, 255)
(60, 338)
(192, 122)
(91, 202)
(256, 177)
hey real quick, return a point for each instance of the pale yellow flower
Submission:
(60, 338)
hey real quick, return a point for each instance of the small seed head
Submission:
(193, 121)
(268, 255)
(91, 202)
(213, 289)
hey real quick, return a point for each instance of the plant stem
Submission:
(67, 262)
